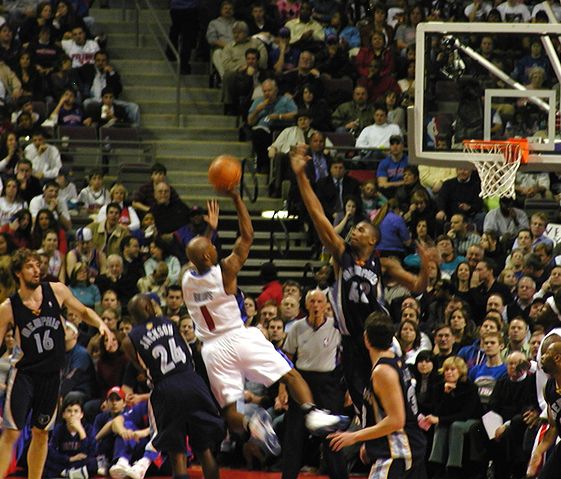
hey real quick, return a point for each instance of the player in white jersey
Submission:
(232, 352)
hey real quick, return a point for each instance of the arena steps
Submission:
(205, 132)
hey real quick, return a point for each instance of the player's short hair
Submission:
(380, 330)
(22, 256)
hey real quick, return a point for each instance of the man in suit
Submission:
(333, 188)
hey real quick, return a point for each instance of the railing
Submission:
(158, 32)
(279, 217)
(81, 156)
(252, 195)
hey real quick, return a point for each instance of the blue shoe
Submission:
(320, 422)
(261, 430)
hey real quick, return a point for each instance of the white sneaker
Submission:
(121, 469)
(261, 430)
(78, 473)
(139, 468)
(320, 422)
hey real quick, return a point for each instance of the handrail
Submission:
(272, 237)
(168, 46)
(252, 197)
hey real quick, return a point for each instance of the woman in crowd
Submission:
(29, 31)
(427, 378)
(159, 251)
(405, 33)
(461, 278)
(345, 222)
(377, 50)
(49, 246)
(82, 288)
(111, 365)
(110, 300)
(456, 408)
(129, 218)
(409, 337)
(10, 152)
(421, 207)
(462, 327)
(493, 248)
(250, 310)
(19, 229)
(508, 277)
(396, 113)
(44, 221)
(28, 76)
(318, 108)
(10, 201)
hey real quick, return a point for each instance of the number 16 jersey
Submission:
(213, 311)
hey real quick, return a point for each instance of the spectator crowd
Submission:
(295, 72)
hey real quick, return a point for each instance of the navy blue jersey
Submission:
(40, 333)
(553, 399)
(356, 293)
(161, 348)
(408, 443)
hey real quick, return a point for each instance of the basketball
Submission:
(225, 172)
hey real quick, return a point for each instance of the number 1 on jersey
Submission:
(208, 318)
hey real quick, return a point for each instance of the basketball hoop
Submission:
(497, 163)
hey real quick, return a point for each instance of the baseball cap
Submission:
(116, 390)
(84, 234)
(396, 139)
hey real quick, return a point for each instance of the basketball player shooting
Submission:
(35, 312)
(358, 290)
(232, 352)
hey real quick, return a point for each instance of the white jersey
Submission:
(213, 311)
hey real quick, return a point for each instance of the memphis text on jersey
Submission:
(43, 321)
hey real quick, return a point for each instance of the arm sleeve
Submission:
(135, 221)
(54, 162)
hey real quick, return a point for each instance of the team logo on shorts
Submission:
(43, 419)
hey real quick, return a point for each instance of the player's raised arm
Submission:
(327, 234)
(88, 315)
(233, 263)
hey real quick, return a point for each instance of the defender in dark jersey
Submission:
(358, 289)
(551, 364)
(181, 402)
(393, 441)
(33, 382)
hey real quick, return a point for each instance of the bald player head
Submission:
(141, 308)
(202, 253)
(551, 358)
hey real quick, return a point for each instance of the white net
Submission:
(497, 165)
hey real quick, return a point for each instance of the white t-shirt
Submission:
(514, 14)
(80, 55)
(377, 136)
(7, 210)
(481, 14)
(555, 7)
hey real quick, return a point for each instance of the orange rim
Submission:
(520, 144)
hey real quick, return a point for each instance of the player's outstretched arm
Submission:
(233, 263)
(327, 234)
(89, 316)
